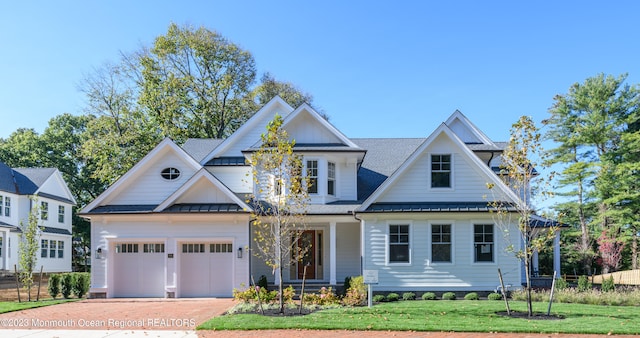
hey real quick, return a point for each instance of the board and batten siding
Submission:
(150, 187)
(105, 233)
(421, 274)
(468, 183)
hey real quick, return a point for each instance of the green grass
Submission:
(15, 306)
(458, 316)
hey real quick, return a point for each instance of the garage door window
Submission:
(192, 248)
(127, 248)
(220, 247)
(153, 247)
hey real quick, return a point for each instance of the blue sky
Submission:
(378, 69)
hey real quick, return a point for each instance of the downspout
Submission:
(355, 215)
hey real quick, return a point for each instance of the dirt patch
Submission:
(525, 315)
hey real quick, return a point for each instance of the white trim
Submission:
(452, 175)
(458, 115)
(387, 243)
(305, 107)
(123, 180)
(452, 224)
(332, 253)
(472, 256)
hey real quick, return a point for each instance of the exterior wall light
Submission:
(239, 252)
(99, 253)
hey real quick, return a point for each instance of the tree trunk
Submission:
(634, 250)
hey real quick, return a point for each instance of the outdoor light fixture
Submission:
(239, 252)
(99, 253)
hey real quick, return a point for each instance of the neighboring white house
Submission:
(414, 209)
(19, 188)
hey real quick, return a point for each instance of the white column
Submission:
(332, 254)
(556, 254)
(535, 264)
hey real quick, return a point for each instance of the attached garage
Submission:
(206, 269)
(141, 270)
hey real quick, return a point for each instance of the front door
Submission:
(307, 244)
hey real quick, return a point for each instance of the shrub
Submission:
(346, 285)
(81, 284)
(288, 293)
(608, 284)
(408, 296)
(561, 284)
(53, 285)
(584, 284)
(325, 297)
(66, 285)
(494, 296)
(429, 296)
(449, 296)
(379, 298)
(393, 297)
(263, 283)
(357, 292)
(246, 295)
(471, 296)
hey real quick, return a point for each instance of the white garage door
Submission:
(206, 269)
(139, 270)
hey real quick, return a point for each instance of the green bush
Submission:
(449, 296)
(66, 285)
(263, 283)
(393, 297)
(346, 285)
(53, 285)
(584, 284)
(357, 292)
(471, 296)
(429, 296)
(561, 284)
(81, 284)
(325, 297)
(608, 284)
(408, 296)
(494, 296)
(379, 298)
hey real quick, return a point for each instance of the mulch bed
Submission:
(525, 315)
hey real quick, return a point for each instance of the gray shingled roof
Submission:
(7, 181)
(199, 148)
(57, 231)
(29, 180)
(384, 156)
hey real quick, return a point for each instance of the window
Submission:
(0, 205)
(483, 242)
(7, 206)
(61, 214)
(192, 248)
(0, 245)
(60, 249)
(398, 243)
(52, 248)
(312, 174)
(441, 171)
(441, 243)
(170, 173)
(220, 247)
(44, 248)
(331, 178)
(127, 248)
(153, 247)
(44, 210)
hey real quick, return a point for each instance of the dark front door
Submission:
(306, 242)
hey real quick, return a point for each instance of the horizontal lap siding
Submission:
(422, 274)
(238, 179)
(348, 250)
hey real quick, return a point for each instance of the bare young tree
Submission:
(28, 246)
(280, 201)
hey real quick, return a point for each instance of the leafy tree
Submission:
(280, 201)
(522, 159)
(587, 123)
(28, 246)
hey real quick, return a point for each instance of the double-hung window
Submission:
(483, 242)
(331, 178)
(441, 243)
(52, 248)
(398, 243)
(60, 249)
(61, 214)
(44, 248)
(7, 206)
(441, 171)
(312, 175)
(44, 210)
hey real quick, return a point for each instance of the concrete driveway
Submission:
(119, 314)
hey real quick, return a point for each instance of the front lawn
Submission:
(15, 306)
(441, 315)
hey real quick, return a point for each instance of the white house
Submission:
(20, 190)
(177, 224)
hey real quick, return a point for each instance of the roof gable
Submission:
(249, 133)
(467, 131)
(306, 126)
(165, 153)
(443, 139)
(203, 189)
